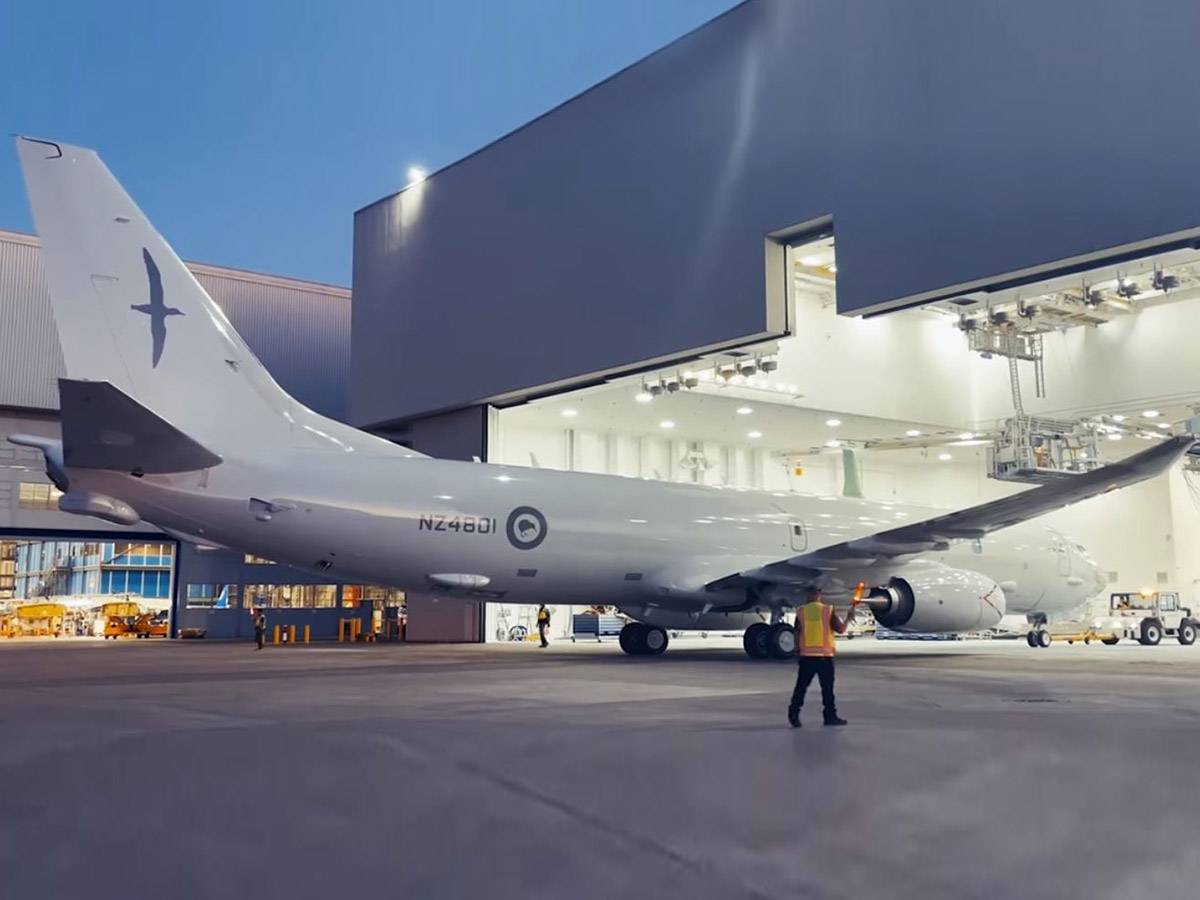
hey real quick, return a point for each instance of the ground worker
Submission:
(260, 627)
(816, 623)
(543, 622)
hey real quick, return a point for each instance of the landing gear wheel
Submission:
(654, 641)
(1109, 642)
(1043, 638)
(1031, 639)
(1186, 634)
(756, 640)
(781, 641)
(1152, 633)
(633, 638)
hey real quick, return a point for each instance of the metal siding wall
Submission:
(31, 360)
(949, 141)
(301, 336)
(300, 332)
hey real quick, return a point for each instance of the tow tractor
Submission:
(1146, 617)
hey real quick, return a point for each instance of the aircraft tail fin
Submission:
(130, 313)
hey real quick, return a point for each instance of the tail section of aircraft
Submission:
(130, 313)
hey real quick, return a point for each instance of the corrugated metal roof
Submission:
(299, 329)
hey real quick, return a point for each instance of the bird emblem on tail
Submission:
(155, 309)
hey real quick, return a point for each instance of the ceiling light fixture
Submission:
(744, 410)
(913, 432)
(1151, 413)
(966, 436)
(569, 413)
(1115, 436)
(666, 423)
(643, 396)
(833, 443)
(1118, 418)
(945, 457)
(754, 435)
(833, 423)
(1163, 424)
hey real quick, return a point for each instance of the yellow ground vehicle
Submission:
(149, 625)
(38, 620)
(119, 618)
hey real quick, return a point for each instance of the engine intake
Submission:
(934, 597)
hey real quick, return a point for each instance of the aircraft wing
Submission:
(887, 548)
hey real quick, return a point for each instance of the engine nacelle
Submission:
(934, 597)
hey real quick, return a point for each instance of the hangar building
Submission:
(926, 234)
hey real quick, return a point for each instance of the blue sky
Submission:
(250, 131)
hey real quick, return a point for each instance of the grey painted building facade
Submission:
(949, 146)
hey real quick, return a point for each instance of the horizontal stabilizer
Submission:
(104, 428)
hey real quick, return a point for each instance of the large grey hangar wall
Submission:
(951, 143)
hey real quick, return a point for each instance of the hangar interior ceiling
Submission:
(922, 409)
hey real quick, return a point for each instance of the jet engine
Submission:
(934, 597)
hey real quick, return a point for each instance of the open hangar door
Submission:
(98, 586)
(969, 399)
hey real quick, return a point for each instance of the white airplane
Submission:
(168, 418)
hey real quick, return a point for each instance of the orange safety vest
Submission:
(816, 629)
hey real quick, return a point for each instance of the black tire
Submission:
(1043, 638)
(654, 640)
(781, 641)
(633, 638)
(1110, 642)
(1031, 639)
(1186, 634)
(1152, 633)
(756, 640)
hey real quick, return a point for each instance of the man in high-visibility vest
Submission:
(816, 623)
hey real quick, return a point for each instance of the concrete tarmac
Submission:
(204, 770)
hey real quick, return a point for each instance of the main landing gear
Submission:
(637, 639)
(763, 641)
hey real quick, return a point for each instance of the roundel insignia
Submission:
(526, 528)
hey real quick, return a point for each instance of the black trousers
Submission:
(259, 634)
(542, 633)
(822, 668)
